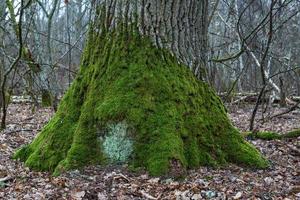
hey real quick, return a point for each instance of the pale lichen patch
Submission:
(117, 144)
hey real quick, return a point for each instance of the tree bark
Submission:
(178, 25)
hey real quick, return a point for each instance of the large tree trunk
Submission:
(135, 101)
(178, 25)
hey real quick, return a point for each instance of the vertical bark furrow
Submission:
(177, 30)
(173, 46)
(166, 26)
(182, 31)
(190, 44)
(142, 17)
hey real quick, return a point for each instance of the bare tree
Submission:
(18, 29)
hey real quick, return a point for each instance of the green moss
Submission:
(174, 116)
(292, 134)
(269, 135)
(7, 97)
(27, 55)
(264, 135)
(46, 98)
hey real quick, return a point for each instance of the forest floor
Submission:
(280, 181)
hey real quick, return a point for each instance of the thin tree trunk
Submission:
(69, 44)
(18, 29)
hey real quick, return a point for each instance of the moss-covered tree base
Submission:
(163, 116)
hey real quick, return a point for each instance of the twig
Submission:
(148, 196)
(294, 150)
(287, 111)
(7, 178)
(118, 176)
(240, 99)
